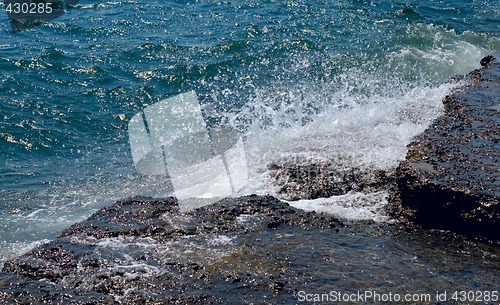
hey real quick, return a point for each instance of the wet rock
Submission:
(145, 251)
(306, 179)
(451, 176)
(129, 217)
(15, 289)
(250, 250)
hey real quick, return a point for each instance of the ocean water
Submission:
(348, 82)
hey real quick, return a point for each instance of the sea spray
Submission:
(343, 83)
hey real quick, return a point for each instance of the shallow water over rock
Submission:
(245, 250)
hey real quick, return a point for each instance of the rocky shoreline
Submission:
(249, 250)
(258, 249)
(451, 176)
(144, 251)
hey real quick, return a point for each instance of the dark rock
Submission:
(129, 217)
(305, 179)
(144, 251)
(451, 176)
(485, 61)
(15, 289)
(250, 250)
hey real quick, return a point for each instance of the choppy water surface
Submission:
(349, 82)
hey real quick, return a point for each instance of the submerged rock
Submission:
(451, 176)
(250, 250)
(145, 251)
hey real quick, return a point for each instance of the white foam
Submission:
(352, 206)
(136, 270)
(245, 218)
(222, 240)
(450, 54)
(124, 242)
(197, 248)
(373, 133)
(359, 131)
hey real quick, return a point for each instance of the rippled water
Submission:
(374, 259)
(346, 81)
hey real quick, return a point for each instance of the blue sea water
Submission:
(319, 79)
